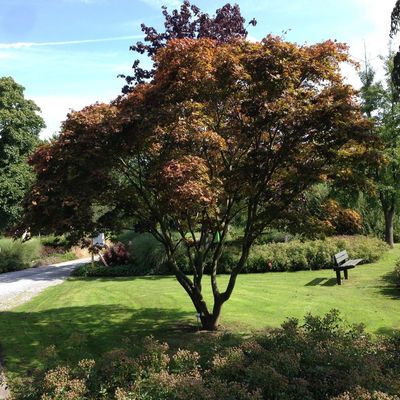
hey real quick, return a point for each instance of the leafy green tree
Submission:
(20, 126)
(380, 104)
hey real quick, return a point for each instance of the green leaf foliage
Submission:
(20, 125)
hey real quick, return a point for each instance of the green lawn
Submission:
(87, 317)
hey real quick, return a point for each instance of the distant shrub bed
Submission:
(100, 270)
(147, 256)
(16, 255)
(322, 359)
(316, 254)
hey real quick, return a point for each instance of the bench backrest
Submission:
(341, 257)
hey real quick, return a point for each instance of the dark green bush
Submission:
(322, 359)
(147, 254)
(100, 270)
(274, 236)
(16, 255)
(55, 241)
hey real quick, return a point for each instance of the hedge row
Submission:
(317, 254)
(291, 256)
(320, 360)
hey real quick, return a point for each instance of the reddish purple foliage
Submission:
(117, 254)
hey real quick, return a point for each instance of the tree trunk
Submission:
(389, 216)
(209, 321)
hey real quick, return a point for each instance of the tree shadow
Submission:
(85, 332)
(390, 286)
(386, 331)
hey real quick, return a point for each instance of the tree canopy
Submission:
(188, 22)
(379, 101)
(394, 28)
(20, 126)
(222, 129)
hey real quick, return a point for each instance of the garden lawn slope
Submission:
(86, 317)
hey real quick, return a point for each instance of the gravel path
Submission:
(20, 286)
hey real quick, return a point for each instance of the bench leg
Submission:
(338, 279)
(346, 274)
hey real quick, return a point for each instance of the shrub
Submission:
(312, 254)
(150, 259)
(117, 254)
(345, 220)
(100, 270)
(16, 255)
(148, 255)
(55, 241)
(274, 236)
(362, 394)
(322, 359)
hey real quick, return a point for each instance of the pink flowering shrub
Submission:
(319, 360)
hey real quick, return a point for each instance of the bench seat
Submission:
(342, 263)
(351, 263)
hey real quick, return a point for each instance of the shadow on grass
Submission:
(330, 282)
(390, 286)
(322, 282)
(315, 282)
(388, 332)
(81, 332)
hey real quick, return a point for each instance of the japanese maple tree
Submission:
(187, 22)
(222, 129)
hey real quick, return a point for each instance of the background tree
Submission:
(394, 28)
(20, 125)
(381, 106)
(222, 129)
(188, 22)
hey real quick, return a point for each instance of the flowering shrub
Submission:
(310, 254)
(362, 394)
(322, 359)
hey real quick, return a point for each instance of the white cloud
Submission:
(376, 14)
(20, 45)
(6, 55)
(159, 3)
(55, 109)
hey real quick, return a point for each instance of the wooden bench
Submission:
(342, 263)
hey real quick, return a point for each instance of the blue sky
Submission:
(68, 53)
